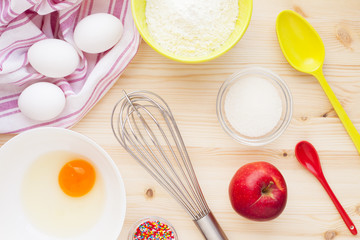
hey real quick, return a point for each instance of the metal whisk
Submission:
(143, 124)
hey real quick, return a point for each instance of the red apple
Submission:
(258, 191)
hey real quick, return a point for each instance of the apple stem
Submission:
(266, 189)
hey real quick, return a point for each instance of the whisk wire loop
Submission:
(147, 130)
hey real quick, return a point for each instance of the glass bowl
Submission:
(151, 218)
(285, 97)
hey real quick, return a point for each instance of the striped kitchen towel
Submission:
(24, 22)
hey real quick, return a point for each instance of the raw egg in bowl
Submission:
(58, 184)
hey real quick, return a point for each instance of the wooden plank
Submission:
(191, 91)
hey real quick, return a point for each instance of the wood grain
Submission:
(191, 91)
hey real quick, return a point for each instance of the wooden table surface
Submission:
(191, 91)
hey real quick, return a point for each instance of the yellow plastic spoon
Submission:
(305, 51)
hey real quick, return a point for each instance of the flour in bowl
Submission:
(191, 28)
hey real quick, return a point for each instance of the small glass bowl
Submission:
(284, 94)
(151, 218)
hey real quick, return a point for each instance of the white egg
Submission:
(49, 209)
(42, 101)
(98, 32)
(53, 58)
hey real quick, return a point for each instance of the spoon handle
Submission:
(349, 126)
(338, 206)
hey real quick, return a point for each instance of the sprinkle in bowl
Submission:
(245, 10)
(254, 106)
(152, 227)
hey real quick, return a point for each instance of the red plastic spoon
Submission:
(306, 154)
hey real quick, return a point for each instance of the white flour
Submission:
(253, 106)
(191, 27)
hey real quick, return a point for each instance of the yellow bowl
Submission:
(245, 10)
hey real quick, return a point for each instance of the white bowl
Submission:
(18, 154)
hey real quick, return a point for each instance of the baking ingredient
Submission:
(98, 32)
(153, 230)
(258, 191)
(253, 106)
(53, 58)
(77, 178)
(191, 28)
(307, 155)
(42, 101)
(48, 208)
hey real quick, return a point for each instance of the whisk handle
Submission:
(210, 228)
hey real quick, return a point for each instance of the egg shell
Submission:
(98, 32)
(42, 101)
(53, 58)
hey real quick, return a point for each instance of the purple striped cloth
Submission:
(24, 22)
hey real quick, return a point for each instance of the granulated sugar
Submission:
(191, 27)
(253, 107)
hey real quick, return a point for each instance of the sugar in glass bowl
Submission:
(276, 92)
(242, 22)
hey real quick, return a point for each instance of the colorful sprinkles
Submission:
(154, 230)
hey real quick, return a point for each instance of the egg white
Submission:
(49, 208)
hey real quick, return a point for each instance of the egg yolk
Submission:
(76, 178)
